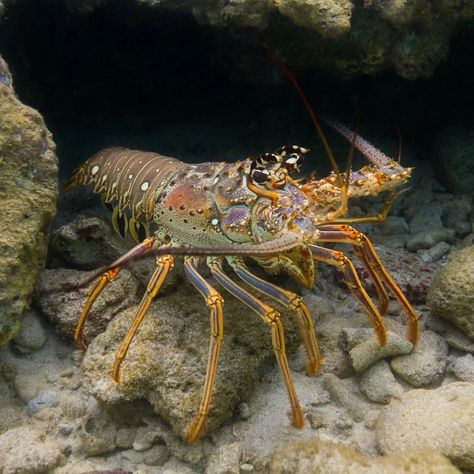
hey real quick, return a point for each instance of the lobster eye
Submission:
(260, 176)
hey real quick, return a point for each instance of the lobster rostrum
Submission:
(224, 213)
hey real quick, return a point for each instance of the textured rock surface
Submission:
(167, 359)
(451, 295)
(318, 457)
(28, 191)
(379, 384)
(441, 419)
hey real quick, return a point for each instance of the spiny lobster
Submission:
(229, 211)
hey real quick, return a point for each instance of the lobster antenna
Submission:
(399, 154)
(286, 70)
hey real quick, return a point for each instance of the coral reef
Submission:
(28, 191)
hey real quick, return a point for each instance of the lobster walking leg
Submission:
(215, 302)
(272, 318)
(164, 264)
(292, 301)
(349, 235)
(338, 259)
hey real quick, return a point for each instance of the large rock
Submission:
(167, 360)
(441, 419)
(451, 295)
(319, 457)
(28, 192)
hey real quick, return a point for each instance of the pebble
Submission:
(247, 468)
(463, 368)
(426, 240)
(244, 411)
(379, 384)
(155, 456)
(435, 253)
(32, 336)
(368, 352)
(8, 372)
(317, 419)
(26, 387)
(145, 438)
(125, 437)
(42, 401)
(393, 225)
(426, 364)
(451, 334)
(462, 229)
(347, 399)
(226, 460)
(394, 241)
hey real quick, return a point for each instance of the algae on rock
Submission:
(28, 192)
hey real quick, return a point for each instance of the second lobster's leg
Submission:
(338, 259)
(272, 318)
(108, 275)
(349, 235)
(214, 301)
(164, 265)
(292, 301)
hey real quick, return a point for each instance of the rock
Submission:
(226, 460)
(451, 295)
(167, 359)
(441, 419)
(63, 306)
(27, 450)
(393, 225)
(319, 457)
(43, 400)
(341, 393)
(426, 240)
(247, 468)
(155, 456)
(124, 438)
(426, 364)
(435, 253)
(379, 384)
(453, 336)
(463, 368)
(428, 218)
(32, 336)
(368, 352)
(26, 387)
(395, 241)
(28, 193)
(454, 153)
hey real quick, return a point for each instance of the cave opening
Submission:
(131, 75)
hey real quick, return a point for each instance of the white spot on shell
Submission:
(130, 176)
(291, 161)
(157, 170)
(215, 221)
(104, 177)
(144, 185)
(94, 170)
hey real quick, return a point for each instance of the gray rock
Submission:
(226, 460)
(27, 450)
(32, 336)
(395, 241)
(125, 437)
(320, 457)
(453, 336)
(63, 305)
(347, 399)
(451, 295)
(426, 364)
(463, 368)
(426, 240)
(28, 195)
(27, 387)
(393, 225)
(247, 468)
(462, 229)
(368, 352)
(379, 384)
(426, 219)
(154, 456)
(435, 253)
(42, 401)
(441, 419)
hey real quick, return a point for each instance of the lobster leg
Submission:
(104, 277)
(292, 301)
(349, 235)
(164, 264)
(360, 253)
(272, 318)
(338, 259)
(214, 301)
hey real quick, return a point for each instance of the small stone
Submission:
(8, 372)
(341, 393)
(247, 468)
(77, 357)
(125, 437)
(428, 239)
(427, 218)
(42, 401)
(26, 387)
(65, 428)
(435, 253)
(32, 336)
(463, 368)
(394, 241)
(244, 411)
(368, 352)
(226, 460)
(344, 422)
(317, 419)
(393, 225)
(462, 229)
(156, 456)
(145, 438)
(452, 335)
(379, 384)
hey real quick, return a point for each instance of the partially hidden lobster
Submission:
(216, 213)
